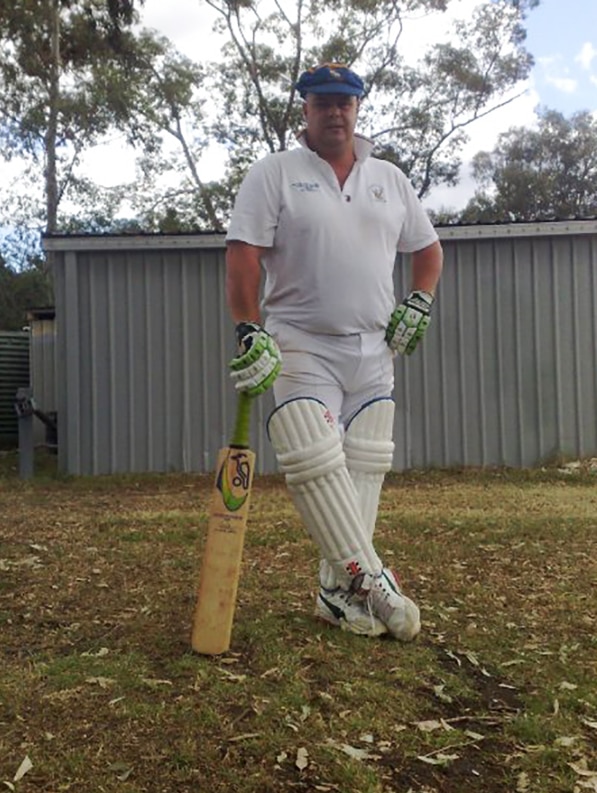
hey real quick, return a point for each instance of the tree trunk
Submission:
(51, 181)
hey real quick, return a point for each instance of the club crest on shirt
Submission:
(305, 187)
(377, 193)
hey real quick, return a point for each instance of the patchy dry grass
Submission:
(100, 691)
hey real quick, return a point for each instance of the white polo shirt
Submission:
(331, 251)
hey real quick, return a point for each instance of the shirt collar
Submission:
(362, 146)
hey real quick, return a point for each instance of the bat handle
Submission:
(242, 425)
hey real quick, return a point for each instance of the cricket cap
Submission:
(330, 78)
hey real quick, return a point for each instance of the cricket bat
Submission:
(222, 555)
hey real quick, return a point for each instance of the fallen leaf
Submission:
(119, 767)
(101, 653)
(565, 740)
(102, 682)
(244, 737)
(438, 759)
(154, 683)
(440, 694)
(589, 723)
(23, 769)
(302, 758)
(232, 677)
(523, 782)
(429, 725)
(352, 751)
(581, 768)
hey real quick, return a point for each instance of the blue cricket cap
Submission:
(330, 78)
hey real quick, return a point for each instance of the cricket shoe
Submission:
(348, 612)
(383, 597)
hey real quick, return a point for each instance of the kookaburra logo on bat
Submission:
(233, 480)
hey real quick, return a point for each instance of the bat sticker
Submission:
(234, 484)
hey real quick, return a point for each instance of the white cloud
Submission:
(188, 25)
(557, 75)
(586, 55)
(567, 85)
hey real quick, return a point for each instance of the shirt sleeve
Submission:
(417, 231)
(256, 210)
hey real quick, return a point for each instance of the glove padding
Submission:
(258, 362)
(408, 322)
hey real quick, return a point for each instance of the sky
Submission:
(561, 35)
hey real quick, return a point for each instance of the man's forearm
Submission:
(243, 279)
(427, 267)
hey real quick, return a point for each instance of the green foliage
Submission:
(21, 291)
(417, 114)
(74, 72)
(542, 173)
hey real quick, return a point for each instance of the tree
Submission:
(66, 73)
(538, 174)
(19, 292)
(169, 101)
(74, 73)
(417, 114)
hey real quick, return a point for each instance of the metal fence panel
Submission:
(505, 376)
(14, 374)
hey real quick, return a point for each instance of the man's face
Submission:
(331, 119)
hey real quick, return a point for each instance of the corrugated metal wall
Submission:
(14, 374)
(506, 375)
(42, 368)
(42, 328)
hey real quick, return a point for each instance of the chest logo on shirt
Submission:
(306, 187)
(377, 193)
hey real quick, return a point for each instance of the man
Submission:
(324, 221)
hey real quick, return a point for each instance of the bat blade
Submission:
(222, 556)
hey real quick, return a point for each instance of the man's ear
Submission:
(304, 109)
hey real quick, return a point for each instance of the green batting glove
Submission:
(258, 362)
(408, 322)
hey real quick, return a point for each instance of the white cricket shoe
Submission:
(348, 612)
(383, 596)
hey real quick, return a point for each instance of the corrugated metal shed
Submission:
(506, 375)
(14, 374)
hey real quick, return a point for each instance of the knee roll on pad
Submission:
(306, 440)
(368, 443)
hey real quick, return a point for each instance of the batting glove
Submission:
(258, 362)
(408, 322)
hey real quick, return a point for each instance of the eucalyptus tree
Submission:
(543, 173)
(417, 111)
(66, 74)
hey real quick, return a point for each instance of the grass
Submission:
(99, 688)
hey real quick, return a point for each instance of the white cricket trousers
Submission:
(343, 372)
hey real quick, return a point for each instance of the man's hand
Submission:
(408, 322)
(258, 362)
